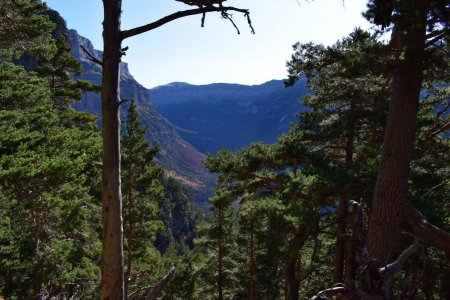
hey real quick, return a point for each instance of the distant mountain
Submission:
(229, 115)
(179, 158)
(188, 120)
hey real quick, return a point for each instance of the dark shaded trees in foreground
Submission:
(278, 239)
(334, 152)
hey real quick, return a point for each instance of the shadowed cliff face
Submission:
(178, 157)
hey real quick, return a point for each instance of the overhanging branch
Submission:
(154, 293)
(90, 56)
(389, 270)
(181, 14)
(436, 37)
(426, 231)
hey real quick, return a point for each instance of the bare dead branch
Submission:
(426, 231)
(439, 36)
(389, 270)
(430, 191)
(131, 295)
(437, 118)
(229, 18)
(339, 288)
(440, 130)
(203, 20)
(154, 293)
(201, 3)
(186, 13)
(91, 57)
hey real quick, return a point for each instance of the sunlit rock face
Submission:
(189, 120)
(177, 156)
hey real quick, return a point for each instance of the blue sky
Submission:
(183, 51)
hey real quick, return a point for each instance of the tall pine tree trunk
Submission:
(341, 243)
(340, 240)
(252, 264)
(221, 255)
(391, 187)
(129, 233)
(112, 276)
(292, 264)
(292, 283)
(37, 285)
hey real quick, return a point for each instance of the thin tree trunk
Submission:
(129, 232)
(112, 276)
(292, 265)
(292, 282)
(220, 256)
(340, 240)
(391, 187)
(157, 290)
(355, 239)
(252, 266)
(339, 260)
(37, 285)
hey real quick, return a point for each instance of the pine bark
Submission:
(292, 265)
(112, 275)
(221, 255)
(252, 264)
(129, 232)
(391, 187)
(341, 231)
(292, 282)
(340, 240)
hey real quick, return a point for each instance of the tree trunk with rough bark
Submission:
(292, 265)
(341, 243)
(252, 265)
(112, 275)
(292, 284)
(112, 269)
(220, 257)
(340, 240)
(391, 188)
(129, 233)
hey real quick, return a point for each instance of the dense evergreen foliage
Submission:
(49, 174)
(50, 159)
(287, 220)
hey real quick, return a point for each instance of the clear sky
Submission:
(183, 51)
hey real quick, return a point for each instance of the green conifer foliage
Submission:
(179, 215)
(49, 176)
(142, 189)
(283, 200)
(218, 274)
(50, 224)
(24, 29)
(348, 109)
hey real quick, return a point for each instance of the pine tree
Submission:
(142, 190)
(49, 242)
(49, 215)
(112, 283)
(346, 120)
(180, 215)
(31, 28)
(217, 242)
(289, 198)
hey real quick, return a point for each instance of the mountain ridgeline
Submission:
(229, 115)
(187, 121)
